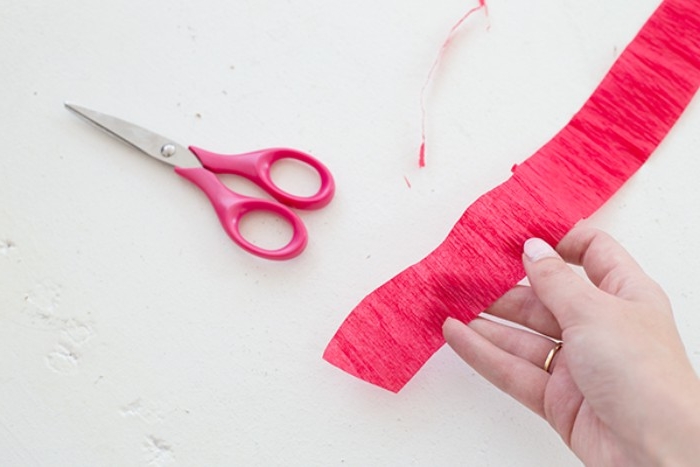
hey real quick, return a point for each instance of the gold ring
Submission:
(550, 357)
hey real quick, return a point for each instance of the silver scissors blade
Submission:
(152, 144)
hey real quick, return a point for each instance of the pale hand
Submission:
(621, 390)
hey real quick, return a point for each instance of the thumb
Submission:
(567, 295)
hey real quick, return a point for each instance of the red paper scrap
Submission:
(395, 329)
(433, 68)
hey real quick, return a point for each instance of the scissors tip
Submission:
(70, 106)
(90, 115)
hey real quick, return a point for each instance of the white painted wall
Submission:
(134, 333)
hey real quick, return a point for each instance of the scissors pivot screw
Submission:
(168, 150)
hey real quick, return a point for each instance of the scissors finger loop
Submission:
(257, 165)
(231, 222)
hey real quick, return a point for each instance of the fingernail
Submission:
(536, 249)
(448, 321)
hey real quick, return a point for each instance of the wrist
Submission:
(674, 438)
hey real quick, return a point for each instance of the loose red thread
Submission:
(433, 68)
(395, 329)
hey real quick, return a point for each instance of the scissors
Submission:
(200, 167)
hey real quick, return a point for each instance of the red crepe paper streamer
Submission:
(394, 330)
(433, 68)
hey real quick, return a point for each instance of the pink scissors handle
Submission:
(231, 207)
(255, 166)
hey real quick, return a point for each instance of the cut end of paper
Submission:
(336, 356)
(366, 361)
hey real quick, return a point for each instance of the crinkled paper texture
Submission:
(388, 337)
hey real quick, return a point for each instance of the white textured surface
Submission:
(133, 332)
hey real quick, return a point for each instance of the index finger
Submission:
(606, 263)
(565, 293)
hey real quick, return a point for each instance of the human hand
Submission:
(621, 390)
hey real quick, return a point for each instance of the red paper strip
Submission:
(395, 329)
(433, 68)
